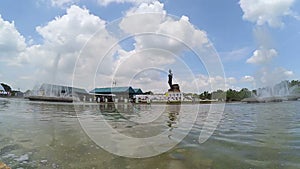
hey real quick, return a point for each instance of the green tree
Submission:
(232, 95)
(294, 83)
(244, 93)
(219, 95)
(205, 95)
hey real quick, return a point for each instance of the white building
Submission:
(168, 97)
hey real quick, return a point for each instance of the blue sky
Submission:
(257, 41)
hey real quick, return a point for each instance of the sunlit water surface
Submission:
(49, 135)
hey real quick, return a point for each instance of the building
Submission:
(115, 94)
(3, 91)
(17, 94)
(168, 97)
(138, 91)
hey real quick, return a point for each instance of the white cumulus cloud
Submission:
(159, 41)
(54, 60)
(107, 2)
(102, 58)
(205, 83)
(167, 32)
(11, 41)
(262, 56)
(272, 76)
(268, 12)
(62, 3)
(248, 79)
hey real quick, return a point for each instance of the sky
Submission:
(208, 44)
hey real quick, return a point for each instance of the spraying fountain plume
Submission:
(277, 93)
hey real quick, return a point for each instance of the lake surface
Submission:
(49, 135)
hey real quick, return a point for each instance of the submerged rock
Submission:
(44, 161)
(54, 165)
(23, 158)
(10, 156)
(9, 148)
(177, 156)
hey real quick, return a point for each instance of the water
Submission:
(46, 135)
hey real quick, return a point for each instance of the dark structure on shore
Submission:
(4, 89)
(173, 87)
(115, 94)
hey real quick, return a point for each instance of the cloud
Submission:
(159, 41)
(107, 2)
(262, 56)
(205, 83)
(146, 68)
(247, 79)
(235, 55)
(271, 13)
(63, 3)
(147, 7)
(53, 61)
(71, 30)
(143, 18)
(272, 76)
(268, 12)
(231, 80)
(66, 36)
(11, 41)
(168, 33)
(78, 33)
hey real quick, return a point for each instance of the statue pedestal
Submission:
(175, 88)
(174, 95)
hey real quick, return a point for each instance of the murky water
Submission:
(48, 135)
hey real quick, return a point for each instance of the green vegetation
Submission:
(229, 95)
(294, 83)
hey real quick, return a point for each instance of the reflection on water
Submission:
(47, 135)
(173, 112)
(129, 117)
(134, 114)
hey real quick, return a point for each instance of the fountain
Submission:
(52, 93)
(277, 93)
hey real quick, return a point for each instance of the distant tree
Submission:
(219, 95)
(229, 95)
(244, 93)
(205, 95)
(294, 83)
(254, 92)
(233, 95)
